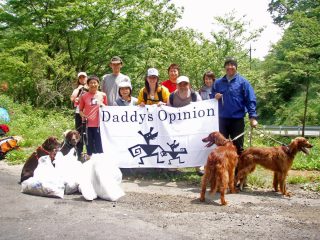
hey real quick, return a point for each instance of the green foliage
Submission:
(46, 43)
(310, 161)
(34, 125)
(292, 69)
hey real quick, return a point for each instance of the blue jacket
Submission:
(238, 97)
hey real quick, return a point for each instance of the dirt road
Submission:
(157, 210)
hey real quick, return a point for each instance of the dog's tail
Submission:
(220, 178)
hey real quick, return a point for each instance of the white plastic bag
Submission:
(42, 188)
(85, 181)
(69, 169)
(106, 179)
(45, 181)
(100, 178)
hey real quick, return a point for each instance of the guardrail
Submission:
(309, 131)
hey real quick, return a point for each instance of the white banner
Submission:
(158, 137)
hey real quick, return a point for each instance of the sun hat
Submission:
(82, 74)
(152, 72)
(124, 84)
(182, 79)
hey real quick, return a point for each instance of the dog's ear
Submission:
(65, 133)
(293, 146)
(51, 143)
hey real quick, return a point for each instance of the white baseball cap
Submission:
(124, 84)
(82, 74)
(182, 79)
(152, 72)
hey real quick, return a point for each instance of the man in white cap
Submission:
(110, 82)
(181, 97)
(184, 95)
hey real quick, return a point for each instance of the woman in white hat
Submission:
(125, 98)
(152, 93)
(82, 88)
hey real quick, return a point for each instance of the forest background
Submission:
(44, 43)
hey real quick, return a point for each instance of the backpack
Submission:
(145, 96)
(7, 144)
(193, 97)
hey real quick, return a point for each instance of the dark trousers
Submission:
(232, 127)
(79, 128)
(94, 141)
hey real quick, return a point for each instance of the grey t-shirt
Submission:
(181, 102)
(109, 85)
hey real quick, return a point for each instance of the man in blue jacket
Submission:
(236, 98)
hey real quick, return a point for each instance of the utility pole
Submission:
(250, 55)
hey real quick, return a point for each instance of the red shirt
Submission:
(89, 104)
(170, 85)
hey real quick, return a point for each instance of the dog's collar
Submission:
(67, 143)
(41, 148)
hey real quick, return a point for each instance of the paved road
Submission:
(156, 210)
(30, 217)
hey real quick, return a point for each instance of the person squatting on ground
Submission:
(89, 111)
(236, 98)
(173, 72)
(206, 90)
(152, 93)
(181, 97)
(82, 88)
(125, 98)
(110, 82)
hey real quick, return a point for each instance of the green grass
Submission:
(34, 126)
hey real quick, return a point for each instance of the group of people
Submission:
(234, 93)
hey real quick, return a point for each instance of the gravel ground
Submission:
(157, 210)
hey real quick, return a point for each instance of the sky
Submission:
(199, 15)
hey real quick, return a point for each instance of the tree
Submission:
(292, 70)
(78, 35)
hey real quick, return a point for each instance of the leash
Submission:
(250, 136)
(240, 135)
(275, 140)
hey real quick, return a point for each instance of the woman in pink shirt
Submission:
(89, 111)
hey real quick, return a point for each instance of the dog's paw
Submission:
(202, 199)
(234, 191)
(288, 194)
(224, 203)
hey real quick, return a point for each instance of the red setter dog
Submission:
(278, 159)
(49, 147)
(219, 170)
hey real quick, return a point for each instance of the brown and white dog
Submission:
(71, 139)
(49, 147)
(278, 159)
(220, 166)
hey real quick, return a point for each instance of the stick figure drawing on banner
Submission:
(172, 153)
(148, 148)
